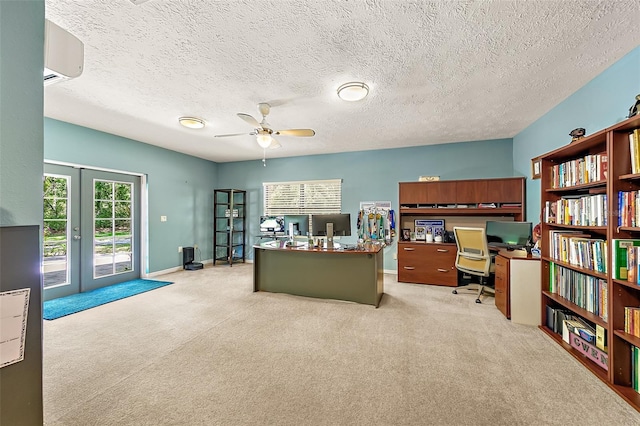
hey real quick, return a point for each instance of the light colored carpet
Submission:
(209, 351)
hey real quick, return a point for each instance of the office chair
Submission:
(473, 257)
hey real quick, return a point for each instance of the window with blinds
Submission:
(304, 197)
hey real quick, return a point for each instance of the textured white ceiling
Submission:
(439, 71)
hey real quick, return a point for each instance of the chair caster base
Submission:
(455, 292)
(478, 301)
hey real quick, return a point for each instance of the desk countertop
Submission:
(304, 247)
(517, 254)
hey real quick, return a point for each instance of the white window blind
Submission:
(303, 197)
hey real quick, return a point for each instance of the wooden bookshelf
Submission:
(614, 143)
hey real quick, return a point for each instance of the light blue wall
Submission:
(369, 175)
(602, 102)
(21, 106)
(179, 186)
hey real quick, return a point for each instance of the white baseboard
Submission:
(170, 270)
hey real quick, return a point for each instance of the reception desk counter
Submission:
(354, 275)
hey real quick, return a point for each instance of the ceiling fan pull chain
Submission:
(264, 160)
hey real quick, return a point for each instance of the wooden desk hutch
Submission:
(456, 201)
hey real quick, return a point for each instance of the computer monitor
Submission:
(341, 224)
(300, 224)
(508, 234)
(272, 224)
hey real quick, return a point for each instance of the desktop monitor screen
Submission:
(508, 233)
(300, 223)
(271, 224)
(341, 224)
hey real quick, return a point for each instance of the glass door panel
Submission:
(55, 230)
(61, 231)
(114, 225)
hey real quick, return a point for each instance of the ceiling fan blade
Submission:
(249, 119)
(295, 132)
(231, 134)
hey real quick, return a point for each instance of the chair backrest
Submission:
(473, 254)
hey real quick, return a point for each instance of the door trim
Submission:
(144, 208)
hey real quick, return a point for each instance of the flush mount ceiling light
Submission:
(191, 122)
(353, 91)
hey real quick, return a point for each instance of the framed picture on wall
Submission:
(536, 168)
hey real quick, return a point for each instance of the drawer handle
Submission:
(408, 248)
(442, 270)
(410, 268)
(443, 250)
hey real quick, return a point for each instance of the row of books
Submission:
(629, 208)
(578, 249)
(635, 368)
(632, 320)
(591, 168)
(634, 150)
(589, 293)
(624, 262)
(584, 210)
(589, 339)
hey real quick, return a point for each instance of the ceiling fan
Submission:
(263, 131)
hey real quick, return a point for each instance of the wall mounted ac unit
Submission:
(63, 54)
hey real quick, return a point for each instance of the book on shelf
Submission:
(587, 169)
(620, 253)
(632, 265)
(556, 317)
(601, 338)
(560, 315)
(602, 167)
(588, 292)
(635, 368)
(487, 205)
(579, 210)
(632, 320)
(629, 208)
(634, 150)
(559, 243)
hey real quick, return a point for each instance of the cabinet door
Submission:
(505, 190)
(502, 285)
(442, 192)
(413, 193)
(472, 192)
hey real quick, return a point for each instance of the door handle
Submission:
(442, 270)
(409, 268)
(408, 248)
(442, 250)
(76, 237)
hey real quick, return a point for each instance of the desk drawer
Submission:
(427, 264)
(502, 286)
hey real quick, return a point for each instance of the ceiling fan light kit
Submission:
(354, 91)
(264, 139)
(191, 122)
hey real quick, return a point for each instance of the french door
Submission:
(91, 229)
